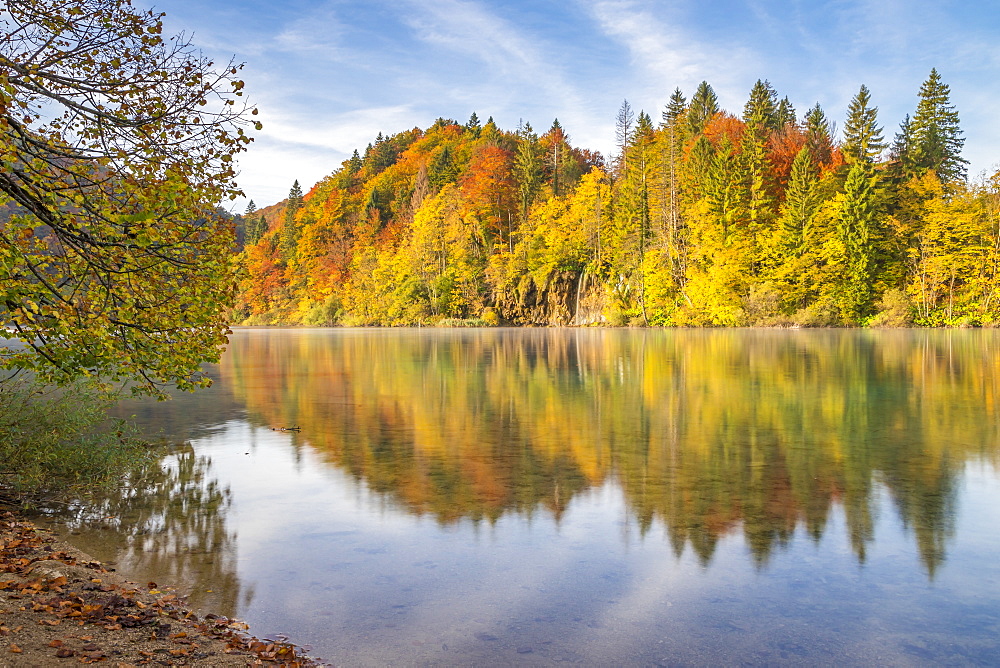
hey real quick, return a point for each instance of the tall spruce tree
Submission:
(936, 138)
(819, 134)
(785, 113)
(802, 199)
(704, 105)
(856, 228)
(862, 134)
(761, 110)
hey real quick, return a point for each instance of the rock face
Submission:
(565, 298)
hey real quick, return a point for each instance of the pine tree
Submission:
(786, 113)
(761, 110)
(900, 153)
(862, 135)
(527, 169)
(290, 229)
(802, 199)
(704, 105)
(856, 228)
(354, 166)
(675, 107)
(819, 134)
(936, 137)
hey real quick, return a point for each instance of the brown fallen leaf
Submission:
(14, 649)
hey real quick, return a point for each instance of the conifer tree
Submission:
(704, 105)
(801, 201)
(856, 229)
(936, 138)
(527, 169)
(785, 114)
(289, 230)
(761, 110)
(675, 107)
(862, 134)
(900, 152)
(819, 134)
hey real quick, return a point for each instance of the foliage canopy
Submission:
(116, 146)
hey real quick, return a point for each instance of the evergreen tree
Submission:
(785, 114)
(250, 235)
(355, 163)
(704, 105)
(900, 152)
(801, 202)
(675, 137)
(675, 107)
(819, 134)
(442, 169)
(936, 137)
(294, 202)
(761, 110)
(290, 229)
(862, 135)
(527, 169)
(856, 229)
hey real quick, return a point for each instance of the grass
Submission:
(58, 439)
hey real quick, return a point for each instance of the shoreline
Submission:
(58, 602)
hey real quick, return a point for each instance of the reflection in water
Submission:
(169, 526)
(707, 432)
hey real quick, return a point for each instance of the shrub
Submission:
(53, 438)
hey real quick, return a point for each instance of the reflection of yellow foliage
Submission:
(706, 431)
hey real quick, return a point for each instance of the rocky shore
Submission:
(59, 606)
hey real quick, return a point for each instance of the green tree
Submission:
(936, 138)
(801, 201)
(704, 105)
(116, 147)
(785, 114)
(290, 229)
(862, 134)
(527, 169)
(819, 134)
(761, 110)
(856, 230)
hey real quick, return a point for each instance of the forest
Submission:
(707, 217)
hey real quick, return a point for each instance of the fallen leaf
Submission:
(14, 649)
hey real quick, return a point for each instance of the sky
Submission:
(329, 75)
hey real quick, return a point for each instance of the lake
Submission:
(591, 496)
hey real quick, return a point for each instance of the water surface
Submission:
(590, 496)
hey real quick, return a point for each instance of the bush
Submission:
(55, 438)
(894, 310)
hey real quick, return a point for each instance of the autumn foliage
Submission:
(753, 219)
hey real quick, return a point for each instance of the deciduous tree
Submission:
(116, 146)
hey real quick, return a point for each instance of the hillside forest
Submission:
(704, 217)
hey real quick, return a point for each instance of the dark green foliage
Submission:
(862, 134)
(801, 201)
(936, 138)
(704, 105)
(761, 111)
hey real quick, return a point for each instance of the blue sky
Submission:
(329, 75)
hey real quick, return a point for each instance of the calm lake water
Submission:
(601, 497)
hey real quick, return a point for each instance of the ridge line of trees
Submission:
(707, 219)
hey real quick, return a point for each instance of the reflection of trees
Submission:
(169, 523)
(707, 432)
